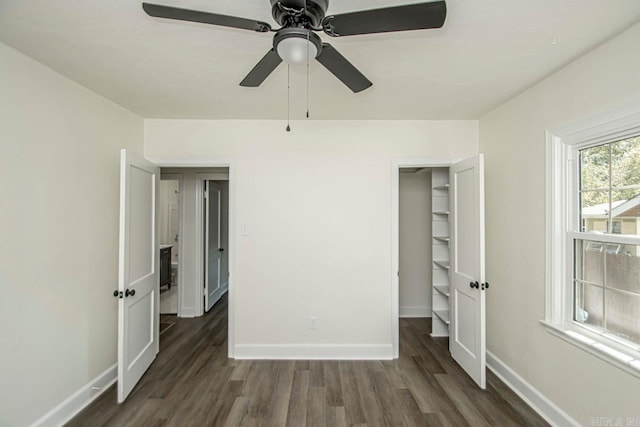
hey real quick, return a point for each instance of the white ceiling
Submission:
(487, 52)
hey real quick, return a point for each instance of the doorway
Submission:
(140, 252)
(169, 237)
(415, 275)
(457, 258)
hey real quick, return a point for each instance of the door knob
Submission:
(221, 249)
(474, 285)
(117, 294)
(128, 292)
(485, 286)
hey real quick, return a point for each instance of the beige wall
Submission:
(513, 140)
(415, 244)
(59, 162)
(316, 203)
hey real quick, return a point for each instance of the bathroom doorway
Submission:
(169, 236)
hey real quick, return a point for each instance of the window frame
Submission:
(563, 218)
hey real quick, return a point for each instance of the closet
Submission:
(457, 287)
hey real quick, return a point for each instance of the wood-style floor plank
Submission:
(193, 383)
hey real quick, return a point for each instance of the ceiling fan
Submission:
(296, 43)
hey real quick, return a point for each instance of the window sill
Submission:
(627, 361)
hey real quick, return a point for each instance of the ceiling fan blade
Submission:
(169, 12)
(342, 69)
(398, 18)
(261, 71)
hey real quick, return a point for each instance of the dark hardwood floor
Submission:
(193, 383)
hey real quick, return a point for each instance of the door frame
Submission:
(199, 162)
(179, 278)
(396, 165)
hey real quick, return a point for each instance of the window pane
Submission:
(625, 211)
(594, 211)
(625, 162)
(588, 305)
(623, 315)
(594, 167)
(589, 263)
(623, 268)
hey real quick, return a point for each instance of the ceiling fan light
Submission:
(294, 50)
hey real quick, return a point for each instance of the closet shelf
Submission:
(442, 315)
(442, 238)
(442, 264)
(443, 289)
(441, 187)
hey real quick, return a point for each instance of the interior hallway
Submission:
(193, 383)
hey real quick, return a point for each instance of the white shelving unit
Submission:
(440, 245)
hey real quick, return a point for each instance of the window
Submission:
(593, 236)
(616, 227)
(606, 276)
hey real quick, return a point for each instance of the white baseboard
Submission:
(415, 311)
(314, 352)
(187, 312)
(79, 400)
(543, 406)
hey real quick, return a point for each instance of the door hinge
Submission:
(205, 194)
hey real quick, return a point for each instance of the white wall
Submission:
(415, 244)
(513, 140)
(316, 203)
(59, 166)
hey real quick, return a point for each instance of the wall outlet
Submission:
(313, 322)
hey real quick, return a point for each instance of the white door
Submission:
(467, 305)
(138, 318)
(212, 249)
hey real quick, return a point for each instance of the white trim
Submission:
(623, 239)
(198, 303)
(189, 162)
(606, 126)
(396, 164)
(79, 400)
(562, 219)
(188, 312)
(199, 162)
(314, 351)
(539, 402)
(415, 311)
(621, 356)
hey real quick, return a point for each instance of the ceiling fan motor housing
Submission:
(292, 12)
(299, 33)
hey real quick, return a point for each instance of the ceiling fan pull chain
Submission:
(288, 97)
(307, 78)
(308, 59)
